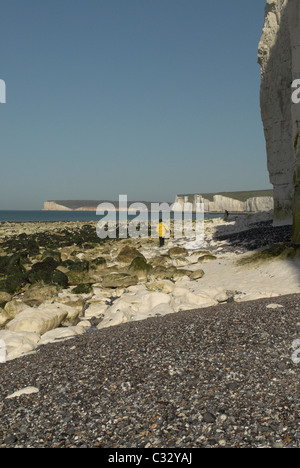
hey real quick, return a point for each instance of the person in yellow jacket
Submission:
(162, 229)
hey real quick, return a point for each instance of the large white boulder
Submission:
(153, 299)
(120, 312)
(60, 334)
(18, 343)
(95, 310)
(38, 320)
(184, 299)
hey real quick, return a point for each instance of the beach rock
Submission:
(4, 318)
(119, 280)
(12, 264)
(72, 300)
(206, 258)
(53, 254)
(184, 299)
(274, 306)
(14, 283)
(39, 293)
(96, 310)
(221, 297)
(82, 289)
(164, 286)
(161, 310)
(180, 261)
(180, 273)
(18, 343)
(23, 391)
(47, 273)
(177, 252)
(128, 254)
(98, 263)
(140, 268)
(162, 273)
(4, 298)
(38, 320)
(151, 300)
(60, 334)
(72, 316)
(15, 307)
(120, 312)
(160, 260)
(79, 277)
(197, 274)
(76, 265)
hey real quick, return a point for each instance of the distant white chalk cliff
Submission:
(260, 200)
(237, 202)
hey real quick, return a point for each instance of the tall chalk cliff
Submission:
(279, 57)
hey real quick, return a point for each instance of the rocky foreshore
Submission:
(58, 280)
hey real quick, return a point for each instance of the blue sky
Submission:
(147, 98)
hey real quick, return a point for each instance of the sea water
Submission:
(55, 216)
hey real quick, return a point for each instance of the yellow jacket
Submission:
(162, 228)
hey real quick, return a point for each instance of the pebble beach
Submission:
(217, 375)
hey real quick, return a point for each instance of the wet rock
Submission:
(39, 293)
(53, 254)
(206, 258)
(119, 280)
(162, 273)
(47, 273)
(78, 265)
(82, 289)
(13, 284)
(160, 260)
(177, 252)
(140, 268)
(128, 254)
(4, 298)
(165, 286)
(197, 274)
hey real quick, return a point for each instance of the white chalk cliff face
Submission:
(279, 57)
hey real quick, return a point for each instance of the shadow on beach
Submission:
(254, 236)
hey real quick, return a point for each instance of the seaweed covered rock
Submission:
(76, 265)
(53, 254)
(47, 273)
(119, 280)
(128, 254)
(82, 289)
(177, 252)
(13, 283)
(140, 268)
(12, 264)
(4, 298)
